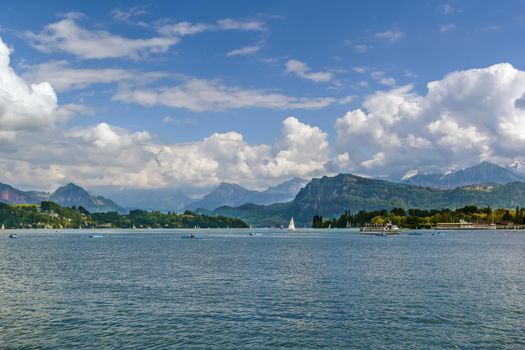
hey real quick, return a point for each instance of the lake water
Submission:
(312, 290)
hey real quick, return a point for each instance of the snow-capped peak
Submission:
(409, 174)
(518, 166)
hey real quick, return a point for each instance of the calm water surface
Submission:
(311, 290)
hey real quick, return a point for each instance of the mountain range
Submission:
(67, 196)
(235, 195)
(483, 173)
(483, 184)
(331, 196)
(164, 200)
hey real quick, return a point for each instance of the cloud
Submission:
(182, 28)
(67, 36)
(126, 15)
(361, 48)
(167, 119)
(244, 51)
(390, 35)
(105, 137)
(443, 28)
(35, 144)
(380, 77)
(105, 155)
(302, 150)
(446, 9)
(494, 27)
(347, 100)
(63, 77)
(167, 28)
(231, 24)
(24, 106)
(179, 121)
(302, 70)
(200, 95)
(466, 117)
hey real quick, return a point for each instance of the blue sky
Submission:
(150, 82)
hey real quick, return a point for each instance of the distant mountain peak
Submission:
(230, 194)
(70, 187)
(73, 195)
(486, 164)
(518, 166)
(483, 173)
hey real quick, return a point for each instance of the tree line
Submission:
(422, 218)
(51, 215)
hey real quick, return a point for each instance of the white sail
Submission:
(291, 226)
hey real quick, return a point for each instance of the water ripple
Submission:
(315, 290)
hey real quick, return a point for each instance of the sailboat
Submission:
(291, 225)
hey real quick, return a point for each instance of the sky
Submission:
(185, 95)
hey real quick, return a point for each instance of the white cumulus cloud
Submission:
(466, 117)
(23, 106)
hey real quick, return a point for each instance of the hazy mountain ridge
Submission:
(483, 173)
(67, 196)
(164, 200)
(227, 194)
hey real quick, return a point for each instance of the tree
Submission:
(518, 219)
(378, 220)
(506, 216)
(317, 221)
(398, 212)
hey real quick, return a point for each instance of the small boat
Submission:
(189, 235)
(13, 236)
(96, 235)
(291, 225)
(415, 234)
(254, 234)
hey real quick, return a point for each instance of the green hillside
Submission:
(331, 196)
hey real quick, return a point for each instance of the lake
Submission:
(306, 290)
